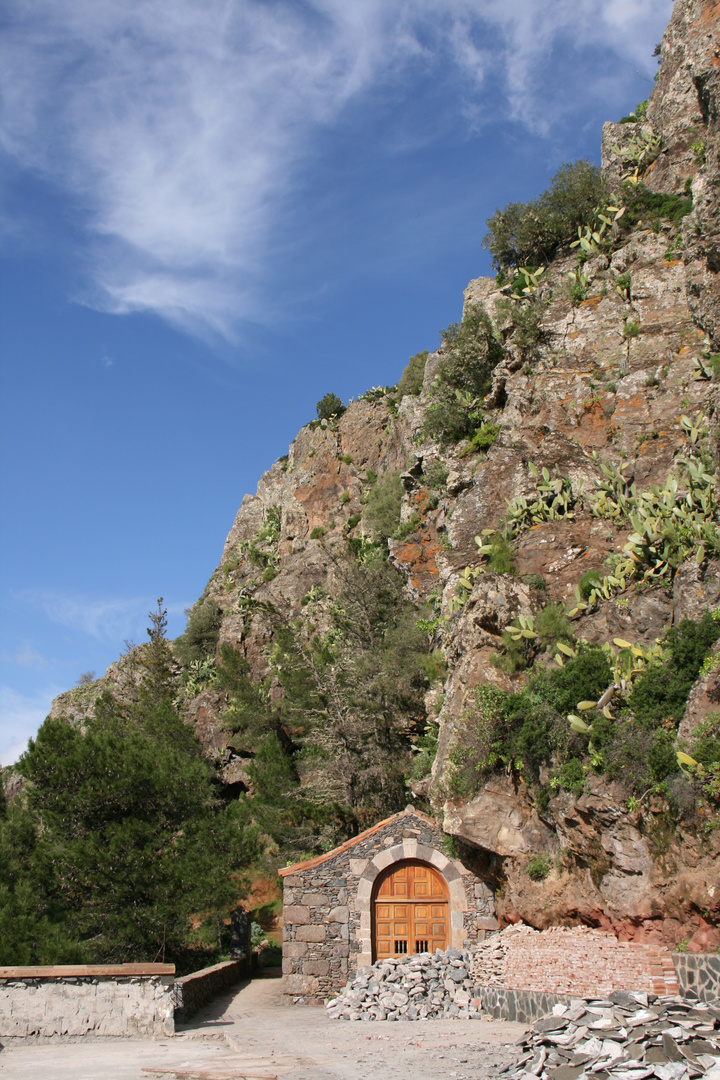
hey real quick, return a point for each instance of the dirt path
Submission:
(248, 1033)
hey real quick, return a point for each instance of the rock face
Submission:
(606, 380)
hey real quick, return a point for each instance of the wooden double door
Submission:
(410, 911)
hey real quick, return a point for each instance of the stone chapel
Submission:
(389, 891)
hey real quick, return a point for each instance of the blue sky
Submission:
(212, 214)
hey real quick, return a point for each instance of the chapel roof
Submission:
(309, 864)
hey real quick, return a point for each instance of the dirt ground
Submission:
(249, 1034)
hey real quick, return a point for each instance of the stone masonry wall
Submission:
(698, 975)
(192, 991)
(127, 1000)
(585, 963)
(322, 914)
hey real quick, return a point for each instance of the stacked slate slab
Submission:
(626, 1036)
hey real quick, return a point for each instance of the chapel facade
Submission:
(391, 891)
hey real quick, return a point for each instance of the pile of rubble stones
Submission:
(627, 1036)
(428, 985)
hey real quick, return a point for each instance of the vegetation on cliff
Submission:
(534, 733)
(332, 726)
(530, 233)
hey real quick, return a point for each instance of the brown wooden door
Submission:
(410, 911)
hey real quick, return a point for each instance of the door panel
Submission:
(410, 911)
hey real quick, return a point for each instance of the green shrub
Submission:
(351, 522)
(535, 581)
(345, 458)
(529, 233)
(588, 582)
(534, 734)
(317, 533)
(584, 678)
(268, 574)
(527, 320)
(485, 436)
(500, 560)
(698, 148)
(637, 115)
(345, 498)
(577, 289)
(411, 380)
(470, 352)
(713, 364)
(542, 798)
(552, 625)
(538, 868)
(604, 730)
(706, 740)
(641, 204)
(626, 758)
(201, 633)
(436, 474)
(479, 745)
(623, 285)
(572, 776)
(426, 751)
(407, 528)
(382, 511)
(662, 759)
(661, 692)
(329, 406)
(516, 655)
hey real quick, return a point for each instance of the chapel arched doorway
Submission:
(409, 910)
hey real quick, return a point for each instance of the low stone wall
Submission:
(126, 1000)
(698, 975)
(524, 1006)
(193, 991)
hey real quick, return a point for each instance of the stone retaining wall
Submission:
(193, 991)
(127, 1000)
(698, 975)
(524, 1006)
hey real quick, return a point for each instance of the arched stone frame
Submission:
(409, 849)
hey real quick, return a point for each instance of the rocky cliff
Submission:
(579, 513)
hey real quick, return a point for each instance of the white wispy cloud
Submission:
(26, 656)
(106, 619)
(20, 717)
(179, 126)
